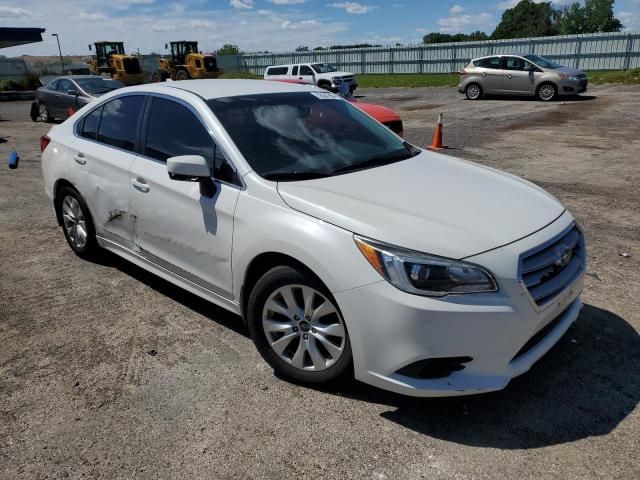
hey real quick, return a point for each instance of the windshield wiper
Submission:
(379, 160)
(292, 176)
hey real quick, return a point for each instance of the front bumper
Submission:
(572, 87)
(503, 333)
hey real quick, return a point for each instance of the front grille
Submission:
(347, 79)
(131, 65)
(210, 64)
(549, 268)
(583, 86)
(395, 127)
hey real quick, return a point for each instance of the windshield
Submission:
(542, 62)
(323, 68)
(95, 86)
(304, 135)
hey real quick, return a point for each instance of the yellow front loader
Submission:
(111, 60)
(186, 62)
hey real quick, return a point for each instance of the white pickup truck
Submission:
(321, 74)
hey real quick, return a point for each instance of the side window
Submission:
(173, 130)
(89, 128)
(52, 85)
(277, 70)
(119, 122)
(491, 62)
(515, 63)
(294, 70)
(305, 70)
(65, 85)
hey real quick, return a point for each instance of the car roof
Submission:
(209, 89)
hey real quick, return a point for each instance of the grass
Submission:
(410, 80)
(626, 77)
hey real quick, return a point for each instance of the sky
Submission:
(254, 25)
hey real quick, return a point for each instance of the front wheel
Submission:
(473, 91)
(182, 75)
(547, 92)
(298, 328)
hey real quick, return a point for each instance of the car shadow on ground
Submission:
(207, 309)
(585, 386)
(511, 98)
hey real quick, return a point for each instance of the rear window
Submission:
(277, 70)
(491, 62)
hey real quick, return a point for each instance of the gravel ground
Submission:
(109, 372)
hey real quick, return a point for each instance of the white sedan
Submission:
(345, 249)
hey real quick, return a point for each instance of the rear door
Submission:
(518, 76)
(103, 152)
(184, 226)
(491, 74)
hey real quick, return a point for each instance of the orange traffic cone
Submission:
(437, 136)
(70, 111)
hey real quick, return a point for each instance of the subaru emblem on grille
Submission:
(563, 255)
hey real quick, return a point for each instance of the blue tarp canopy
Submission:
(10, 37)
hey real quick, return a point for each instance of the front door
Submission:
(184, 226)
(518, 76)
(65, 101)
(306, 74)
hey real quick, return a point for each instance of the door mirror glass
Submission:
(191, 168)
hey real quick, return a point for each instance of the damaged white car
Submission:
(345, 249)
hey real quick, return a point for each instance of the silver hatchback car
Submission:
(520, 75)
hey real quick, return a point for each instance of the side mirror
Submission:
(189, 168)
(74, 93)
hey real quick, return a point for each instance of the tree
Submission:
(228, 49)
(527, 19)
(437, 37)
(598, 16)
(595, 16)
(302, 48)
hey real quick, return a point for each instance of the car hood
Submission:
(338, 74)
(430, 203)
(569, 71)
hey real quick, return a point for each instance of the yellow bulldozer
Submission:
(186, 62)
(111, 60)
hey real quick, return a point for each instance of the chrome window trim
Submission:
(147, 96)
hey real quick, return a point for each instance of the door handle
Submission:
(79, 158)
(140, 184)
(484, 74)
(509, 75)
(300, 78)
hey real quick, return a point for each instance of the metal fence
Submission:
(598, 51)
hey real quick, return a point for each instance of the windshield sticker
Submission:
(325, 95)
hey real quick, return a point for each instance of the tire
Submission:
(182, 75)
(325, 86)
(33, 112)
(43, 112)
(77, 223)
(158, 76)
(473, 91)
(547, 92)
(307, 349)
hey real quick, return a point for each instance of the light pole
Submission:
(59, 50)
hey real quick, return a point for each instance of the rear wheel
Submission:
(473, 91)
(77, 223)
(158, 76)
(547, 92)
(297, 327)
(182, 75)
(43, 111)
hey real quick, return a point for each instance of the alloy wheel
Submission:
(547, 92)
(74, 222)
(304, 328)
(44, 112)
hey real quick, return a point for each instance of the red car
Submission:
(384, 115)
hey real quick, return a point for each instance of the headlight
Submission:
(423, 274)
(564, 76)
(336, 80)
